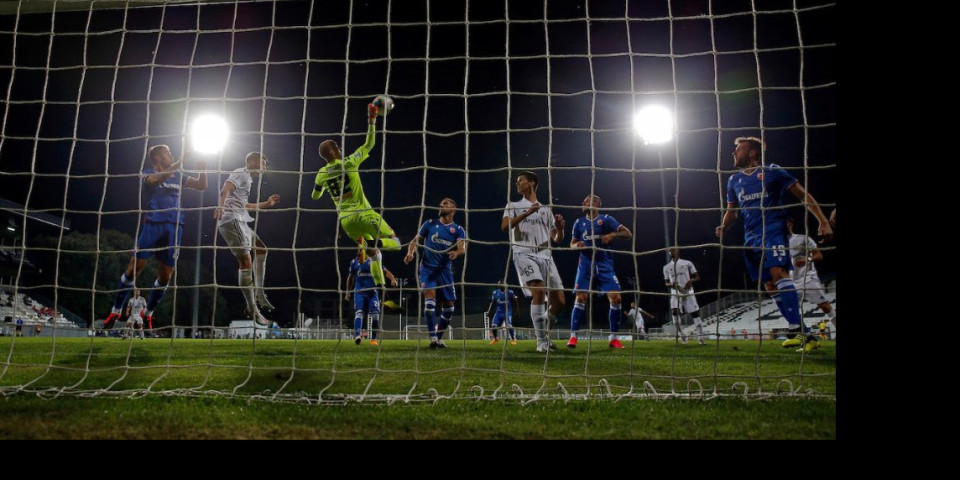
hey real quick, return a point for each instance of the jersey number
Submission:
(779, 251)
(334, 184)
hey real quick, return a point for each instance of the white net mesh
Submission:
(483, 91)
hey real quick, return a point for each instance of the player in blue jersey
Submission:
(595, 265)
(506, 303)
(161, 230)
(366, 300)
(444, 242)
(759, 192)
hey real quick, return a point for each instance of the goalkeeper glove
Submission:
(372, 111)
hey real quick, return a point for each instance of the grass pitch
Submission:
(162, 388)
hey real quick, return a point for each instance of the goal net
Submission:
(483, 91)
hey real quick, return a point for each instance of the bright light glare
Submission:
(209, 134)
(654, 124)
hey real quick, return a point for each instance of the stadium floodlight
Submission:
(654, 124)
(209, 134)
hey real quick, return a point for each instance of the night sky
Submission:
(494, 97)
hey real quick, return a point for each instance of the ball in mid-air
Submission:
(384, 104)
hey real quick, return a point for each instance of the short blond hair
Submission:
(755, 143)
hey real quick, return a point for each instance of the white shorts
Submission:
(689, 302)
(239, 236)
(810, 289)
(135, 319)
(531, 268)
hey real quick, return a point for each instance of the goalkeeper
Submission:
(341, 179)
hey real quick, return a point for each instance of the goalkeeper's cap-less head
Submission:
(329, 151)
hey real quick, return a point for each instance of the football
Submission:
(384, 104)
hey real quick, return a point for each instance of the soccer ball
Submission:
(384, 104)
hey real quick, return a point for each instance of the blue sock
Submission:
(445, 314)
(789, 303)
(513, 336)
(357, 322)
(125, 285)
(429, 312)
(156, 295)
(614, 318)
(575, 317)
(376, 326)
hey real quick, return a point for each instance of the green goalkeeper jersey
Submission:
(342, 180)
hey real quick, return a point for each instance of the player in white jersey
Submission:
(531, 227)
(804, 251)
(679, 276)
(135, 309)
(233, 216)
(636, 314)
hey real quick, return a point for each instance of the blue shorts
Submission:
(601, 273)
(368, 301)
(774, 253)
(499, 317)
(167, 237)
(440, 280)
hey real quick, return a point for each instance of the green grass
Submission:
(639, 392)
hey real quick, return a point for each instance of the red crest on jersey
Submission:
(760, 176)
(600, 222)
(453, 230)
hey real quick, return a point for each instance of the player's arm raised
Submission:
(371, 140)
(157, 178)
(556, 233)
(200, 181)
(509, 222)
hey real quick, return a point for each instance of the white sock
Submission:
(259, 271)
(246, 287)
(539, 317)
